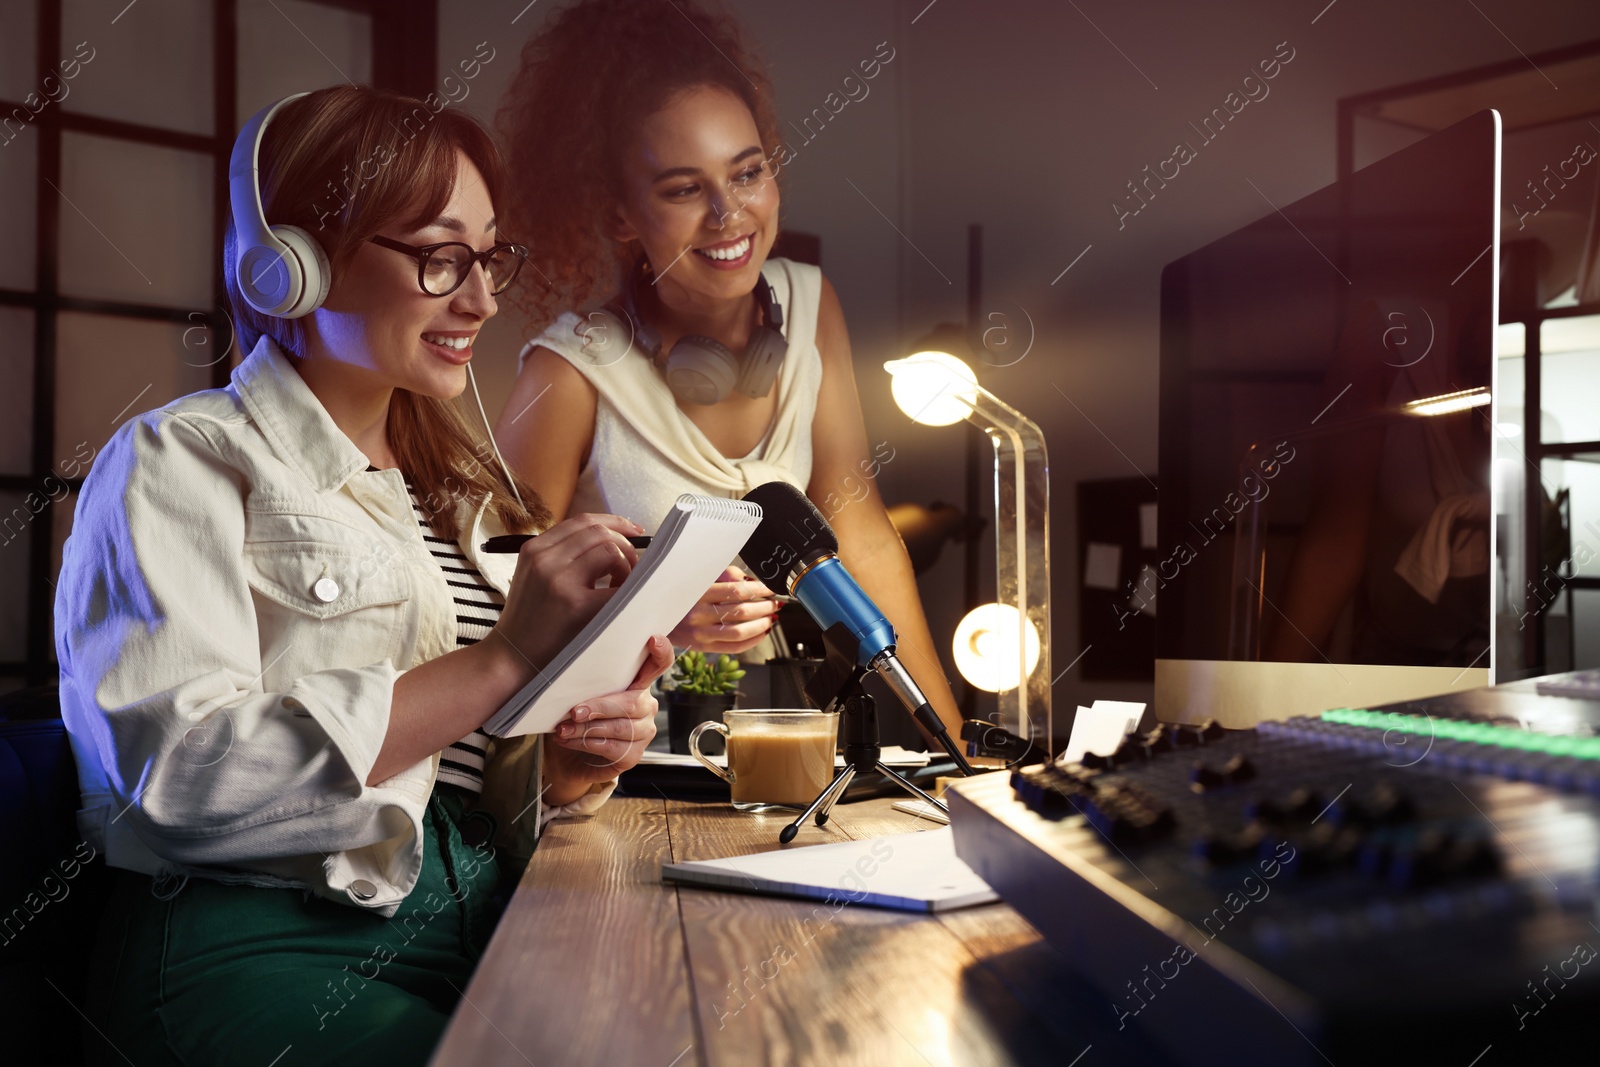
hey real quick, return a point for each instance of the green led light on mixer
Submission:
(1478, 733)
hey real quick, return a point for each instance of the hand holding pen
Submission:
(555, 590)
(735, 614)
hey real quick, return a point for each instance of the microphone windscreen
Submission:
(792, 531)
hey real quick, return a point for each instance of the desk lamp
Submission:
(938, 389)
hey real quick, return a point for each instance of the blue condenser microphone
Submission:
(796, 553)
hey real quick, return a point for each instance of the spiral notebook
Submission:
(905, 872)
(697, 540)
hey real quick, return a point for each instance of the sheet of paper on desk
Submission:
(1100, 729)
(906, 872)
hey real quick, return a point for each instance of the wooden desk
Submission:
(597, 962)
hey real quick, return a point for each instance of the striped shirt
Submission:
(478, 606)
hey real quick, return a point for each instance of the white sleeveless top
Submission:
(646, 452)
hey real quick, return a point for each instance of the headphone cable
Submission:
(510, 481)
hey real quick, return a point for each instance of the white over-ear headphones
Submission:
(703, 370)
(281, 270)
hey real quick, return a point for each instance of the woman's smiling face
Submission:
(698, 195)
(378, 318)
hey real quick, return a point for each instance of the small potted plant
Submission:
(700, 689)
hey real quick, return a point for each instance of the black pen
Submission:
(512, 542)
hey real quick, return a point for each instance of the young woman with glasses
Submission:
(662, 205)
(278, 637)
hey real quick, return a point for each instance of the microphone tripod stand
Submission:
(858, 725)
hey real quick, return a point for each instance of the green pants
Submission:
(230, 974)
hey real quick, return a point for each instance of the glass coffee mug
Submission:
(775, 758)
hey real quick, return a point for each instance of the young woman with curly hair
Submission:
(641, 136)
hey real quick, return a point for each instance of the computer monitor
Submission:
(1324, 528)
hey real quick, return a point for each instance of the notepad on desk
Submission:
(904, 872)
(697, 540)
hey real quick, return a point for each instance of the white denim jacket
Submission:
(238, 596)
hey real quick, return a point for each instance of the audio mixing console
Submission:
(1415, 883)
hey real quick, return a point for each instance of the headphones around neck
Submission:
(703, 370)
(281, 270)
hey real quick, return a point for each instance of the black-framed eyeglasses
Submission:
(441, 268)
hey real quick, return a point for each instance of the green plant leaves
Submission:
(692, 672)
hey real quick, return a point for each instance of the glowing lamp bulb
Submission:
(985, 647)
(933, 388)
(1449, 403)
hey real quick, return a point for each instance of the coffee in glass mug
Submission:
(775, 758)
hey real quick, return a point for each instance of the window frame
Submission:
(404, 58)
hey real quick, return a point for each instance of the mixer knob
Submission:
(1434, 856)
(1473, 857)
(1294, 806)
(1224, 848)
(1236, 770)
(1273, 847)
(1130, 750)
(1029, 785)
(1382, 805)
(1329, 848)
(1095, 810)
(1303, 804)
(1374, 856)
(1127, 815)
(1263, 810)
(1195, 734)
(1148, 824)
(1095, 761)
(1054, 804)
(1416, 862)
(1159, 739)
(1385, 805)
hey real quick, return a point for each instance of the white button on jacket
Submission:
(236, 600)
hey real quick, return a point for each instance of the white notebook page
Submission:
(697, 540)
(906, 872)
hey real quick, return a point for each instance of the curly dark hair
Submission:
(587, 82)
